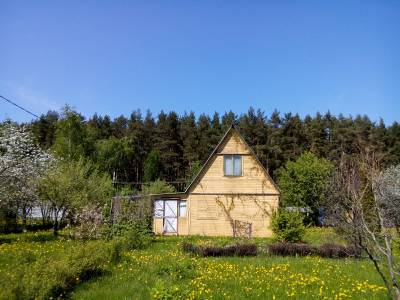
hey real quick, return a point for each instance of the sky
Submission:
(114, 57)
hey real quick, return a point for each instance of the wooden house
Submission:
(231, 195)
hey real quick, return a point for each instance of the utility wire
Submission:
(20, 107)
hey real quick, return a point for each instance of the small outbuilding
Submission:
(232, 194)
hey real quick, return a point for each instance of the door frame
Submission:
(176, 201)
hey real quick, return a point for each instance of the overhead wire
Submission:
(20, 107)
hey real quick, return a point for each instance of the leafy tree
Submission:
(70, 186)
(158, 187)
(113, 156)
(71, 135)
(152, 167)
(303, 181)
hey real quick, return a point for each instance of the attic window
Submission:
(232, 165)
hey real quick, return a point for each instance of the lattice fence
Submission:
(242, 229)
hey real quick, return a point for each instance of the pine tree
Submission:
(188, 133)
(228, 119)
(119, 127)
(274, 135)
(135, 141)
(44, 129)
(203, 132)
(169, 145)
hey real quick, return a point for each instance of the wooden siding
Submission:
(233, 145)
(246, 208)
(253, 179)
(158, 225)
(215, 200)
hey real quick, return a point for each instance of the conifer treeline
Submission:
(143, 147)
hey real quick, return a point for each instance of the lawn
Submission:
(163, 271)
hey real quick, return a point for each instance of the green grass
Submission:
(163, 271)
(37, 265)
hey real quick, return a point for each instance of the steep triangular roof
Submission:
(221, 142)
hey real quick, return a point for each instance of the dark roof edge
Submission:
(258, 161)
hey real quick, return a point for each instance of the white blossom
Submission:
(21, 164)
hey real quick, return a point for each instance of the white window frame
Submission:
(233, 165)
(180, 206)
(159, 212)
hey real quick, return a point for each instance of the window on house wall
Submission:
(182, 208)
(232, 165)
(159, 208)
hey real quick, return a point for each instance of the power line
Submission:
(20, 107)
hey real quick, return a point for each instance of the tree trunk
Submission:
(55, 227)
(397, 294)
(24, 217)
(55, 223)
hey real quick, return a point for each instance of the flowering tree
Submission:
(21, 164)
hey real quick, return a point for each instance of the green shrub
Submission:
(51, 269)
(134, 235)
(287, 226)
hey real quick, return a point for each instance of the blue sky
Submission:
(113, 57)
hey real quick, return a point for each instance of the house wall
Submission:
(252, 195)
(182, 222)
(253, 179)
(158, 225)
(215, 200)
(211, 215)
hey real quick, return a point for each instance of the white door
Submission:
(171, 216)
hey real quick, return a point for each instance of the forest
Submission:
(60, 172)
(144, 147)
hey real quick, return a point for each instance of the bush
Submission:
(136, 235)
(54, 275)
(287, 226)
(90, 223)
(338, 251)
(290, 249)
(326, 250)
(239, 249)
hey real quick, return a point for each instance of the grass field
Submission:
(163, 271)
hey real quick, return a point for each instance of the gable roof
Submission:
(223, 140)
